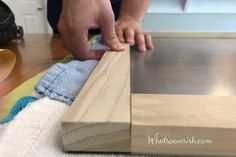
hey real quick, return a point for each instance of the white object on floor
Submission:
(2, 127)
(36, 95)
(31, 127)
(36, 132)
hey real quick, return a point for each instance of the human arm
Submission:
(77, 17)
(128, 26)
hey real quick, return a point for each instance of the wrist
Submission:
(127, 17)
(134, 9)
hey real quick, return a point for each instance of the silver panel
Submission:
(186, 66)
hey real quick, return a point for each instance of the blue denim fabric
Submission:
(63, 82)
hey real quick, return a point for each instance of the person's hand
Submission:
(129, 31)
(77, 17)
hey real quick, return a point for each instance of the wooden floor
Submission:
(34, 53)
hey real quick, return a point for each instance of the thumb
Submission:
(107, 27)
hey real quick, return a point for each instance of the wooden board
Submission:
(99, 118)
(161, 122)
(194, 35)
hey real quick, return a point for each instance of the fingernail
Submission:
(120, 46)
(122, 40)
(143, 49)
(131, 42)
(150, 48)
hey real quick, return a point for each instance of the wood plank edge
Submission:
(194, 35)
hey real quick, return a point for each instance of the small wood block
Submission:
(99, 118)
(183, 124)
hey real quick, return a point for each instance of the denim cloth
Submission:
(63, 82)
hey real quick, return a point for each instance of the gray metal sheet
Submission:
(186, 66)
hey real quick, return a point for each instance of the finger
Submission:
(129, 36)
(80, 45)
(107, 26)
(63, 32)
(96, 54)
(148, 41)
(140, 39)
(120, 34)
(113, 43)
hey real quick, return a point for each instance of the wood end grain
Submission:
(99, 118)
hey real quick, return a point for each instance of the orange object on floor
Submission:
(7, 63)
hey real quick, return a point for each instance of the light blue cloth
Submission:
(63, 82)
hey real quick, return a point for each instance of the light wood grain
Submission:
(99, 118)
(195, 35)
(211, 119)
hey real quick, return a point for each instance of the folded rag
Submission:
(63, 82)
(36, 132)
(32, 128)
